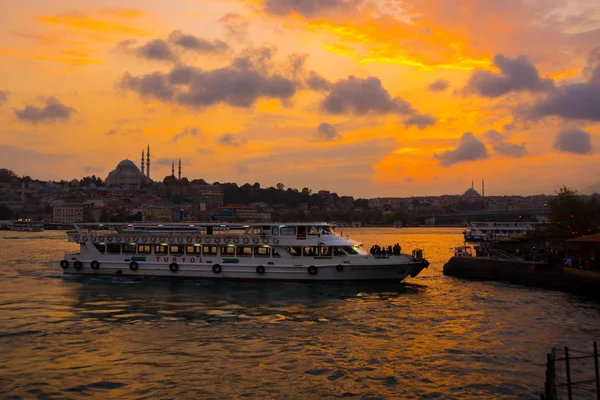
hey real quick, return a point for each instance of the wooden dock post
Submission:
(597, 371)
(568, 368)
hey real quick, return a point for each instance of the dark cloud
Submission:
(493, 136)
(184, 133)
(576, 101)
(510, 149)
(363, 96)
(307, 8)
(205, 150)
(231, 140)
(573, 141)
(4, 96)
(317, 82)
(327, 132)
(52, 111)
(236, 26)
(240, 84)
(111, 132)
(469, 149)
(129, 131)
(516, 74)
(196, 44)
(439, 86)
(421, 121)
(156, 49)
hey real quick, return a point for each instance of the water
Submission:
(431, 337)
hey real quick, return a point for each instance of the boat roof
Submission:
(202, 224)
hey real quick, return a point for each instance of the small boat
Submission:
(463, 251)
(497, 231)
(261, 251)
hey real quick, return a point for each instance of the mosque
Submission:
(128, 174)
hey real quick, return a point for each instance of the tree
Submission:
(572, 216)
(280, 186)
(5, 212)
(6, 175)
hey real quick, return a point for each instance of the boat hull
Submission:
(382, 272)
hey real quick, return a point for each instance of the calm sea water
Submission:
(431, 337)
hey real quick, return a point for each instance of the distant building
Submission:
(157, 213)
(126, 174)
(70, 213)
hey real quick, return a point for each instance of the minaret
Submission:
(179, 169)
(472, 185)
(148, 162)
(143, 161)
(483, 193)
(173, 169)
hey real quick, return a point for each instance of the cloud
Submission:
(4, 96)
(205, 150)
(307, 8)
(327, 132)
(53, 111)
(317, 82)
(363, 96)
(516, 75)
(123, 131)
(439, 86)
(196, 44)
(493, 136)
(421, 121)
(184, 133)
(156, 49)
(92, 169)
(469, 149)
(592, 71)
(510, 149)
(240, 84)
(573, 141)
(576, 101)
(231, 140)
(236, 26)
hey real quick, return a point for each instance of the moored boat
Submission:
(497, 231)
(263, 251)
(26, 226)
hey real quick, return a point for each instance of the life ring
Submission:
(217, 240)
(246, 240)
(95, 264)
(236, 240)
(260, 270)
(340, 267)
(126, 239)
(266, 241)
(190, 240)
(180, 240)
(64, 264)
(207, 240)
(312, 270)
(135, 239)
(118, 239)
(162, 239)
(171, 240)
(174, 267)
(110, 238)
(133, 266)
(76, 237)
(275, 241)
(217, 269)
(153, 240)
(101, 238)
(226, 240)
(78, 265)
(255, 240)
(198, 239)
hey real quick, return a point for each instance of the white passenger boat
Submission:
(497, 231)
(26, 226)
(261, 251)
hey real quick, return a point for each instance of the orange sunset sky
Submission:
(363, 97)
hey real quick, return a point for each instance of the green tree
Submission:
(572, 216)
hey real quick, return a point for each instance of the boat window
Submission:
(161, 249)
(144, 249)
(275, 231)
(310, 251)
(287, 231)
(195, 250)
(311, 230)
(338, 252)
(244, 251)
(129, 248)
(294, 251)
(326, 231)
(262, 251)
(227, 250)
(275, 253)
(325, 251)
(350, 250)
(209, 250)
(113, 248)
(176, 249)
(100, 247)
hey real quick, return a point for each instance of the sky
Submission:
(368, 98)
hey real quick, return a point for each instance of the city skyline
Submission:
(368, 98)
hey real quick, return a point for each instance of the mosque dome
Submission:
(126, 173)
